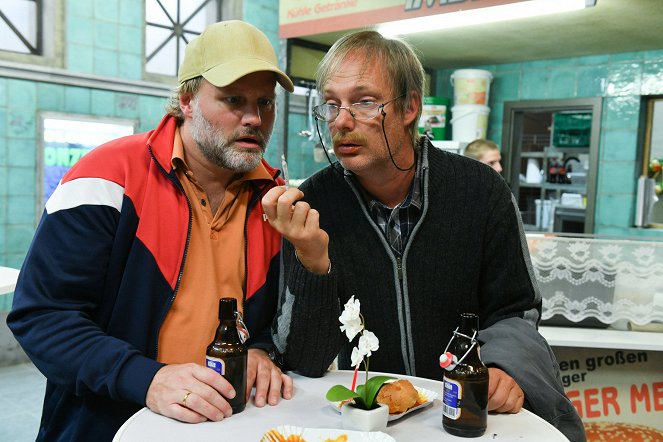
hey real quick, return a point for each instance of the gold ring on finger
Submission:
(186, 396)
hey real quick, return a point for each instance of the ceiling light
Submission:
(511, 11)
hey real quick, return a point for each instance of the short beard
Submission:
(218, 148)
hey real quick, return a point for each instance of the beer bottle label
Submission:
(453, 393)
(216, 364)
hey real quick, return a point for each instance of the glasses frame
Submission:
(378, 109)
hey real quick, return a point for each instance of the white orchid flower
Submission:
(356, 357)
(350, 318)
(350, 311)
(368, 343)
(352, 328)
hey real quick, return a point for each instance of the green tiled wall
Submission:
(620, 79)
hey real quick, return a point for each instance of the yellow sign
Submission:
(308, 17)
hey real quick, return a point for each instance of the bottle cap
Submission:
(448, 361)
(227, 308)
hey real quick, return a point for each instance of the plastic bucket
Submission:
(471, 86)
(469, 122)
(433, 118)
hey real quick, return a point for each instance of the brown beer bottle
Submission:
(227, 353)
(465, 407)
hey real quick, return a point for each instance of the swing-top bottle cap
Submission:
(447, 360)
(227, 308)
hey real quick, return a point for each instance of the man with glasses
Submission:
(416, 234)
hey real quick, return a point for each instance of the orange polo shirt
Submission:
(213, 265)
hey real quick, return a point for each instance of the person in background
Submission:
(485, 151)
(416, 234)
(118, 296)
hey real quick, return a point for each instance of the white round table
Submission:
(8, 277)
(310, 409)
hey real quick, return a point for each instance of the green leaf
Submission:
(370, 391)
(340, 393)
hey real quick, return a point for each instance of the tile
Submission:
(102, 102)
(106, 10)
(3, 91)
(77, 100)
(592, 81)
(130, 40)
(615, 209)
(21, 124)
(105, 62)
(618, 177)
(22, 152)
(126, 106)
(131, 13)
(626, 56)
(594, 60)
(563, 83)
(3, 129)
(624, 79)
(618, 145)
(80, 58)
(105, 36)
(534, 85)
(130, 66)
(621, 112)
(80, 8)
(506, 86)
(22, 94)
(652, 78)
(79, 29)
(19, 235)
(50, 97)
(22, 181)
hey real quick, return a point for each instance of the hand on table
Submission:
(269, 381)
(190, 393)
(504, 394)
(299, 224)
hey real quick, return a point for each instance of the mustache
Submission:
(249, 132)
(349, 138)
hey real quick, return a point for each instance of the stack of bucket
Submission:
(470, 111)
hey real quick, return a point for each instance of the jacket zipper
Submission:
(179, 186)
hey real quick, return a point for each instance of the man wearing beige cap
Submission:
(118, 296)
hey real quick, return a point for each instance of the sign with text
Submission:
(619, 386)
(308, 17)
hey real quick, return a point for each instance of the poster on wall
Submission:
(66, 139)
(618, 393)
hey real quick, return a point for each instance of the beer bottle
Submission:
(465, 408)
(227, 353)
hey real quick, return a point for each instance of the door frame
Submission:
(513, 112)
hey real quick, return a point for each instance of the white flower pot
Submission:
(354, 418)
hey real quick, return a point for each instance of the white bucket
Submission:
(469, 122)
(471, 86)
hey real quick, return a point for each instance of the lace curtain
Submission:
(606, 279)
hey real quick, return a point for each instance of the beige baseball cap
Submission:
(228, 50)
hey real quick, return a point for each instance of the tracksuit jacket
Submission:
(102, 272)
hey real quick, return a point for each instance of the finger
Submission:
(275, 384)
(214, 409)
(269, 201)
(214, 390)
(312, 220)
(286, 201)
(262, 385)
(300, 215)
(287, 386)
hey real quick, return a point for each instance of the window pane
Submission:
(22, 14)
(164, 61)
(155, 13)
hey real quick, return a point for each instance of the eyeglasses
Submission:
(363, 110)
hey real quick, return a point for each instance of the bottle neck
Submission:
(227, 332)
